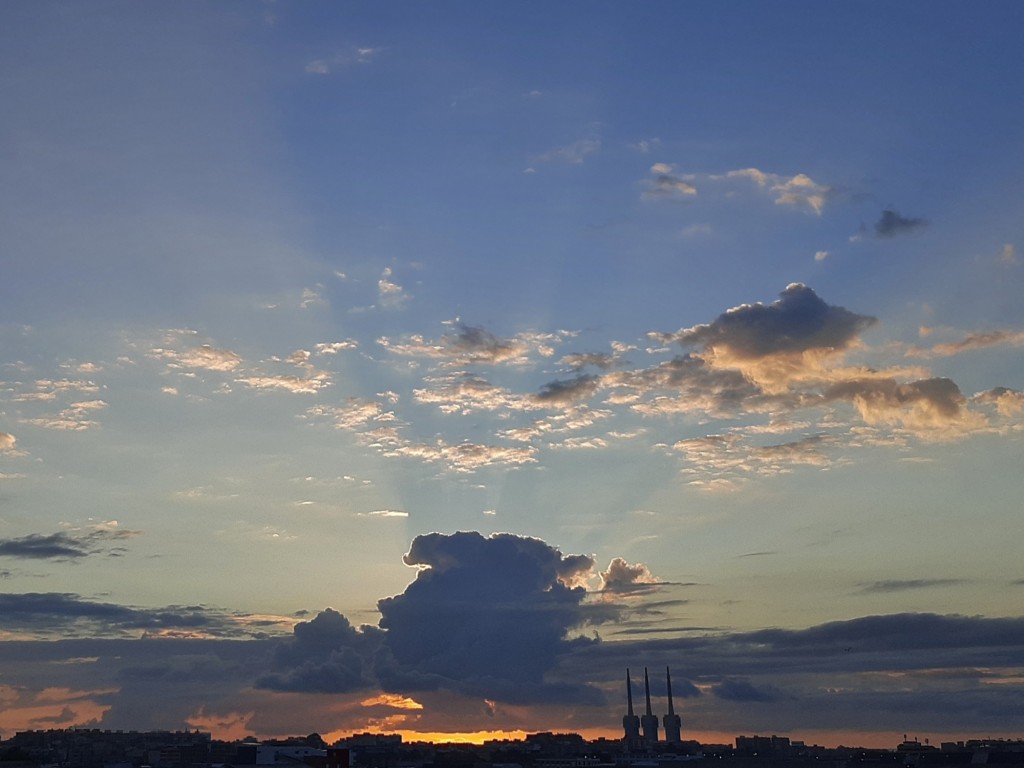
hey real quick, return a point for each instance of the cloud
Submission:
(902, 585)
(1008, 256)
(777, 345)
(485, 616)
(57, 546)
(646, 145)
(326, 655)
(390, 294)
(799, 190)
(60, 614)
(343, 59)
(1008, 402)
(204, 356)
(742, 690)
(334, 347)
(572, 154)
(623, 578)
(798, 321)
(666, 185)
(299, 385)
(731, 454)
(566, 392)
(71, 545)
(891, 224)
(972, 341)
(7, 441)
(933, 407)
(485, 598)
(474, 345)
(468, 393)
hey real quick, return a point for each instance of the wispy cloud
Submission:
(891, 224)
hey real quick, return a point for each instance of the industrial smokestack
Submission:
(672, 721)
(630, 722)
(649, 722)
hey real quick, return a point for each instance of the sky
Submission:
(420, 367)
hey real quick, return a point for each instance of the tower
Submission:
(630, 722)
(649, 722)
(671, 720)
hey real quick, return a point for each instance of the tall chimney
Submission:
(649, 722)
(672, 721)
(630, 722)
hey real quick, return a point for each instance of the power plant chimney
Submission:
(672, 722)
(630, 722)
(649, 722)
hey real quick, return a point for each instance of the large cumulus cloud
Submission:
(486, 616)
(798, 321)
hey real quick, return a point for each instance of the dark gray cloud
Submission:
(326, 655)
(952, 674)
(569, 391)
(485, 615)
(891, 224)
(67, 614)
(901, 585)
(798, 321)
(63, 545)
(743, 690)
(579, 360)
(938, 400)
(56, 546)
(480, 345)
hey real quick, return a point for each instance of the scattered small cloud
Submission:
(903, 585)
(820, 255)
(343, 60)
(385, 513)
(646, 145)
(390, 293)
(665, 184)
(570, 154)
(892, 224)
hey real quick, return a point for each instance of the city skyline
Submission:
(420, 368)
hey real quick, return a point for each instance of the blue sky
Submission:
(711, 311)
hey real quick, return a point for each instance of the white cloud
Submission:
(385, 513)
(572, 154)
(204, 356)
(300, 385)
(391, 294)
(334, 347)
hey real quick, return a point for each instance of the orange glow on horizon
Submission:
(437, 737)
(394, 700)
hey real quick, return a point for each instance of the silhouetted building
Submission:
(649, 722)
(673, 724)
